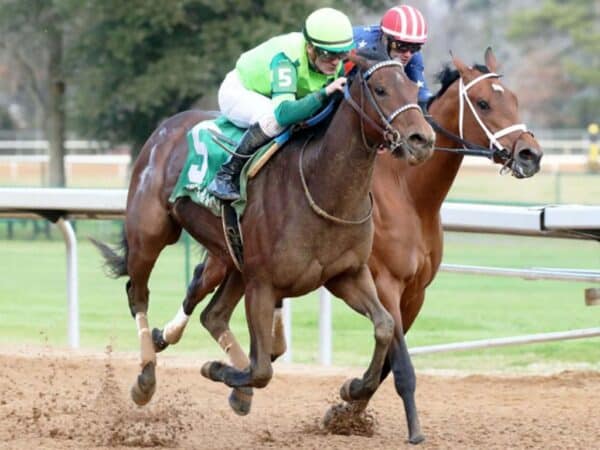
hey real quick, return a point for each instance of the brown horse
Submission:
(407, 245)
(307, 224)
(408, 242)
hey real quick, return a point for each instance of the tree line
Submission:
(112, 70)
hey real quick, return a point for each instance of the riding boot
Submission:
(226, 183)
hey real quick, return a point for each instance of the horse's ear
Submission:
(461, 66)
(490, 60)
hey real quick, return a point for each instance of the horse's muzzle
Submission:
(526, 162)
(419, 147)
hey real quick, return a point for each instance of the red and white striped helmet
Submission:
(405, 23)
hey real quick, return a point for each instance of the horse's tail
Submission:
(115, 264)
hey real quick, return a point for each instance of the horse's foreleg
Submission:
(260, 303)
(358, 291)
(207, 277)
(215, 318)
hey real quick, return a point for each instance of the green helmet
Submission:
(329, 29)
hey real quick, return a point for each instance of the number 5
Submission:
(285, 77)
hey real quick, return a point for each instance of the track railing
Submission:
(566, 221)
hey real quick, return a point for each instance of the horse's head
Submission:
(390, 115)
(488, 115)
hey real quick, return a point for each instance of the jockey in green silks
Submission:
(283, 81)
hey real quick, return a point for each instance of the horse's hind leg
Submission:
(215, 318)
(207, 277)
(358, 291)
(139, 269)
(260, 304)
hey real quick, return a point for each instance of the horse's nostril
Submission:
(528, 155)
(417, 140)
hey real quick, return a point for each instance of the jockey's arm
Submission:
(289, 111)
(287, 108)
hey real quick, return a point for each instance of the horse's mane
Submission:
(449, 75)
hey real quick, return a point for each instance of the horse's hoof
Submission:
(145, 385)
(240, 400)
(347, 388)
(416, 439)
(211, 370)
(157, 339)
(348, 419)
(205, 370)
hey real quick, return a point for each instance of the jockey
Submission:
(283, 81)
(401, 34)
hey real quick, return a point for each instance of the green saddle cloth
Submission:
(204, 159)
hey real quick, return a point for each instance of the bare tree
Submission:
(33, 37)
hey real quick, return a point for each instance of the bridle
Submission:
(392, 137)
(495, 150)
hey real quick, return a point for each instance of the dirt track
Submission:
(55, 400)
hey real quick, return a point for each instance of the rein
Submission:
(392, 137)
(320, 211)
(469, 148)
(495, 150)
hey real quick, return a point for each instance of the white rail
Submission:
(572, 221)
(503, 342)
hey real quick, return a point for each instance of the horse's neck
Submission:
(430, 182)
(338, 168)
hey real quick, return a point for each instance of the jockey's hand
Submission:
(336, 85)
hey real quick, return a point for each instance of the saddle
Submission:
(210, 144)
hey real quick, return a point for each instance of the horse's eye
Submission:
(380, 91)
(483, 105)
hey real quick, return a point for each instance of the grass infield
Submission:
(458, 307)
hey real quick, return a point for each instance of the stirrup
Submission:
(223, 190)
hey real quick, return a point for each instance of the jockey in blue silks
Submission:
(400, 34)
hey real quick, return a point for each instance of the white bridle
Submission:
(464, 97)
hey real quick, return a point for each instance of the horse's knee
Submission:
(384, 328)
(262, 375)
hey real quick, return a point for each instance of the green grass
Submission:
(458, 307)
(543, 188)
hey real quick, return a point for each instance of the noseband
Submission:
(495, 150)
(392, 137)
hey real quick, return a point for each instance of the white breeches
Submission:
(244, 107)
